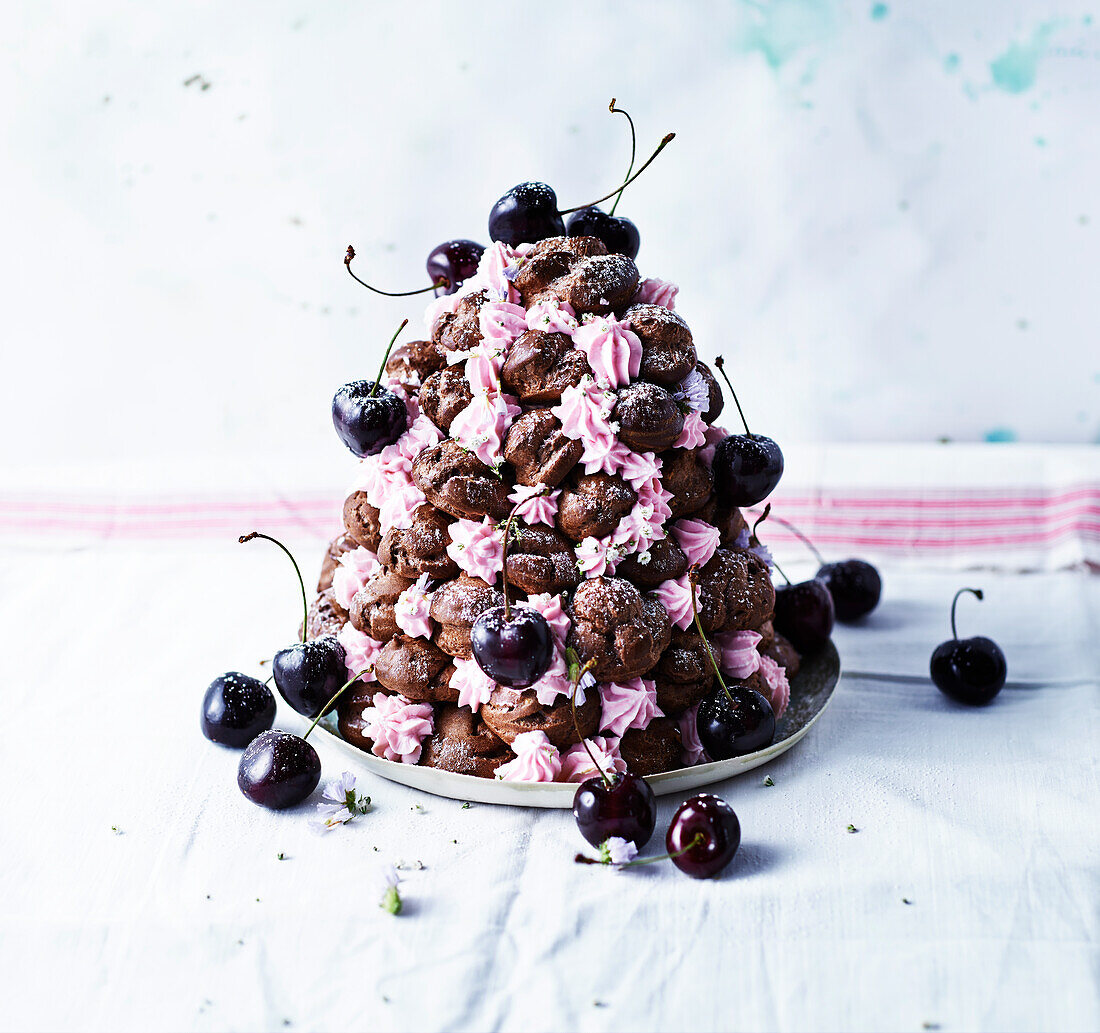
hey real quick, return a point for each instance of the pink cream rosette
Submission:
(551, 609)
(697, 539)
(613, 350)
(652, 291)
(473, 685)
(552, 317)
(637, 468)
(501, 322)
(353, 571)
(583, 413)
(411, 609)
(360, 651)
(675, 596)
(737, 655)
(537, 760)
(692, 746)
(577, 766)
(397, 727)
(543, 507)
(401, 501)
(477, 547)
(597, 556)
(694, 433)
(483, 424)
(555, 682)
(779, 688)
(629, 705)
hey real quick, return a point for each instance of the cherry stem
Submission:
(301, 584)
(780, 569)
(386, 358)
(720, 365)
(955, 602)
(339, 692)
(619, 189)
(577, 728)
(796, 532)
(504, 550)
(633, 148)
(698, 838)
(699, 627)
(441, 282)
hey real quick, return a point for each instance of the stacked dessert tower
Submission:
(558, 385)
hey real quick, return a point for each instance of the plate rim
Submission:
(471, 788)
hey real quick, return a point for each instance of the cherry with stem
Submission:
(698, 838)
(748, 466)
(440, 282)
(969, 670)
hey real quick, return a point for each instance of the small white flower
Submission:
(617, 851)
(341, 803)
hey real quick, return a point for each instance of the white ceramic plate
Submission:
(811, 691)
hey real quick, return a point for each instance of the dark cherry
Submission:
(278, 770)
(616, 231)
(804, 614)
(512, 645)
(526, 214)
(236, 708)
(368, 417)
(452, 263)
(308, 674)
(626, 808)
(855, 586)
(969, 670)
(735, 724)
(713, 823)
(747, 467)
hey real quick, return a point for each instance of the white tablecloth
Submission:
(142, 891)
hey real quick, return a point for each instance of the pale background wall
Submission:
(884, 214)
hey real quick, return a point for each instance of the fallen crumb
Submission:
(280, 856)
(768, 780)
(852, 828)
(906, 900)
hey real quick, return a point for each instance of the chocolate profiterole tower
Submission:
(557, 397)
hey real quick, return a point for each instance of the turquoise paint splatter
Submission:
(951, 63)
(999, 435)
(1040, 141)
(785, 27)
(880, 11)
(1015, 70)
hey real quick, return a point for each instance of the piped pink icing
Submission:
(401, 501)
(692, 752)
(694, 433)
(597, 556)
(583, 413)
(645, 522)
(377, 474)
(629, 705)
(543, 507)
(360, 651)
(577, 766)
(551, 609)
(482, 425)
(473, 684)
(552, 318)
(652, 291)
(496, 270)
(698, 539)
(477, 548)
(422, 434)
(779, 693)
(537, 760)
(555, 682)
(675, 596)
(397, 727)
(355, 568)
(501, 321)
(636, 468)
(605, 453)
(411, 609)
(614, 351)
(483, 365)
(713, 436)
(737, 654)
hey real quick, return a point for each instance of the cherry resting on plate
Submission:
(969, 670)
